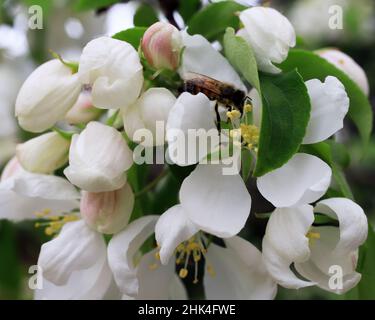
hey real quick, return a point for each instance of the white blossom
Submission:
(270, 35)
(98, 159)
(44, 154)
(113, 69)
(291, 238)
(46, 96)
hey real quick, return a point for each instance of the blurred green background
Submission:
(67, 27)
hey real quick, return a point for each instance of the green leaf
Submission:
(165, 194)
(340, 154)
(214, 19)
(83, 5)
(241, 56)
(322, 150)
(340, 179)
(311, 66)
(188, 8)
(137, 178)
(145, 16)
(365, 289)
(10, 273)
(285, 115)
(132, 36)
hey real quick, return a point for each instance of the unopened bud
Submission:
(83, 110)
(44, 154)
(108, 212)
(345, 63)
(161, 45)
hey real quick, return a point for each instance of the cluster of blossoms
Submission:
(107, 98)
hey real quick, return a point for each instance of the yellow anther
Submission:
(197, 255)
(183, 273)
(250, 135)
(192, 248)
(313, 235)
(49, 231)
(233, 115)
(53, 223)
(248, 107)
(157, 255)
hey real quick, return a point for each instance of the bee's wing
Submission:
(216, 87)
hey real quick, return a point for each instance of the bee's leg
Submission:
(248, 100)
(218, 119)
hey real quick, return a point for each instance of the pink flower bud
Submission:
(83, 110)
(161, 45)
(107, 212)
(344, 62)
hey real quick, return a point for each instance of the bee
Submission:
(222, 92)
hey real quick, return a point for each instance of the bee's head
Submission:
(238, 97)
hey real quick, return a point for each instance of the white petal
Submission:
(329, 106)
(285, 242)
(172, 228)
(324, 262)
(270, 34)
(155, 284)
(121, 253)
(303, 179)
(263, 61)
(40, 186)
(44, 154)
(16, 207)
(177, 290)
(98, 158)
(218, 204)
(25, 194)
(114, 70)
(186, 143)
(239, 273)
(75, 248)
(153, 105)
(46, 96)
(256, 102)
(90, 283)
(352, 220)
(199, 56)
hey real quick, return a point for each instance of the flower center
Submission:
(246, 132)
(53, 223)
(193, 250)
